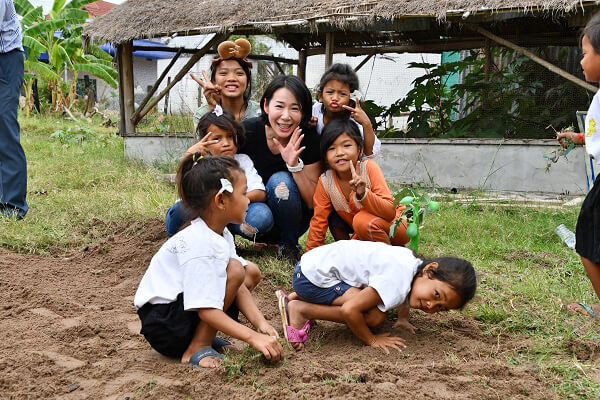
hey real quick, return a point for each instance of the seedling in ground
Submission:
(417, 205)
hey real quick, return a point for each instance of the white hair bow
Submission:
(226, 186)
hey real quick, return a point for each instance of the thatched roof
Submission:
(136, 19)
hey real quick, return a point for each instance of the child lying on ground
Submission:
(356, 282)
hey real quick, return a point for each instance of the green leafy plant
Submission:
(417, 204)
(81, 135)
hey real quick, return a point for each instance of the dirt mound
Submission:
(70, 330)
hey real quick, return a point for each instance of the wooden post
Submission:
(127, 106)
(533, 57)
(488, 60)
(36, 95)
(302, 65)
(329, 42)
(166, 108)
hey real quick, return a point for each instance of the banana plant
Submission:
(417, 205)
(59, 35)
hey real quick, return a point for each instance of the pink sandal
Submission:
(292, 335)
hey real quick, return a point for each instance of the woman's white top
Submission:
(592, 126)
(192, 262)
(387, 269)
(317, 112)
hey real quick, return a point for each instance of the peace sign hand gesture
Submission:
(358, 114)
(291, 152)
(357, 183)
(202, 146)
(212, 92)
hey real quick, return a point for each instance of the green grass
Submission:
(80, 192)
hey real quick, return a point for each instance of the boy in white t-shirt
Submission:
(356, 282)
(195, 283)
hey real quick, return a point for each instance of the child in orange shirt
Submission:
(356, 191)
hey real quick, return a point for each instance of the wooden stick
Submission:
(216, 39)
(279, 67)
(363, 62)
(329, 49)
(302, 65)
(533, 57)
(149, 95)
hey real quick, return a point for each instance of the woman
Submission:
(285, 152)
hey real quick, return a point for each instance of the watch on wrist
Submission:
(297, 168)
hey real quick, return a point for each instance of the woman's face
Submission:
(284, 112)
(231, 78)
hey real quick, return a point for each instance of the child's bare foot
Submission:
(207, 361)
(591, 311)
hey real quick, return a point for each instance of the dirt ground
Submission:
(69, 330)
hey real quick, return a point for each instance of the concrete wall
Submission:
(511, 165)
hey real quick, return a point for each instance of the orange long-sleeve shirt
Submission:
(328, 195)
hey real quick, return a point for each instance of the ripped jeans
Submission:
(258, 217)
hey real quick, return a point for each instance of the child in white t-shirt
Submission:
(356, 282)
(195, 283)
(221, 135)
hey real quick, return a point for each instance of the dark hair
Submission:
(340, 72)
(298, 89)
(199, 179)
(225, 121)
(456, 272)
(213, 73)
(335, 129)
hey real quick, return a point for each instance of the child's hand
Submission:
(202, 146)
(268, 345)
(291, 152)
(358, 184)
(212, 92)
(572, 136)
(267, 329)
(358, 114)
(404, 324)
(313, 122)
(384, 341)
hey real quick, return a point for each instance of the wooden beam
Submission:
(279, 67)
(329, 45)
(260, 57)
(551, 67)
(363, 62)
(219, 37)
(126, 86)
(302, 65)
(150, 93)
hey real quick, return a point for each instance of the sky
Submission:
(47, 4)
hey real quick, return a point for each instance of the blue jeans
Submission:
(13, 165)
(258, 217)
(291, 214)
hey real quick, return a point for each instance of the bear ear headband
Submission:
(238, 49)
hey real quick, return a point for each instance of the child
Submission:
(588, 224)
(357, 192)
(194, 285)
(335, 88)
(221, 135)
(356, 282)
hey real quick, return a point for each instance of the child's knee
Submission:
(235, 272)
(374, 317)
(253, 274)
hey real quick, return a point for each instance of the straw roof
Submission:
(151, 18)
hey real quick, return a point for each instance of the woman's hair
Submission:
(199, 179)
(298, 89)
(456, 272)
(335, 129)
(213, 73)
(592, 31)
(225, 121)
(340, 72)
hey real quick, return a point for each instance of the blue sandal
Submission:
(219, 343)
(200, 354)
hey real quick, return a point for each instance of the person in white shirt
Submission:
(587, 235)
(221, 135)
(356, 282)
(195, 283)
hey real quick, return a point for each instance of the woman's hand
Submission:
(202, 146)
(357, 183)
(269, 346)
(358, 114)
(212, 92)
(385, 341)
(291, 152)
(572, 136)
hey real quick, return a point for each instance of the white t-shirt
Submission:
(317, 111)
(387, 269)
(592, 136)
(192, 262)
(254, 180)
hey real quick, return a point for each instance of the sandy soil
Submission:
(69, 330)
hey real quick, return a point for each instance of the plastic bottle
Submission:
(566, 235)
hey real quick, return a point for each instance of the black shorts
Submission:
(169, 328)
(588, 226)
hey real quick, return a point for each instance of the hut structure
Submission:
(354, 27)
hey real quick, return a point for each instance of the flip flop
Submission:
(588, 309)
(282, 303)
(200, 354)
(292, 335)
(219, 343)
